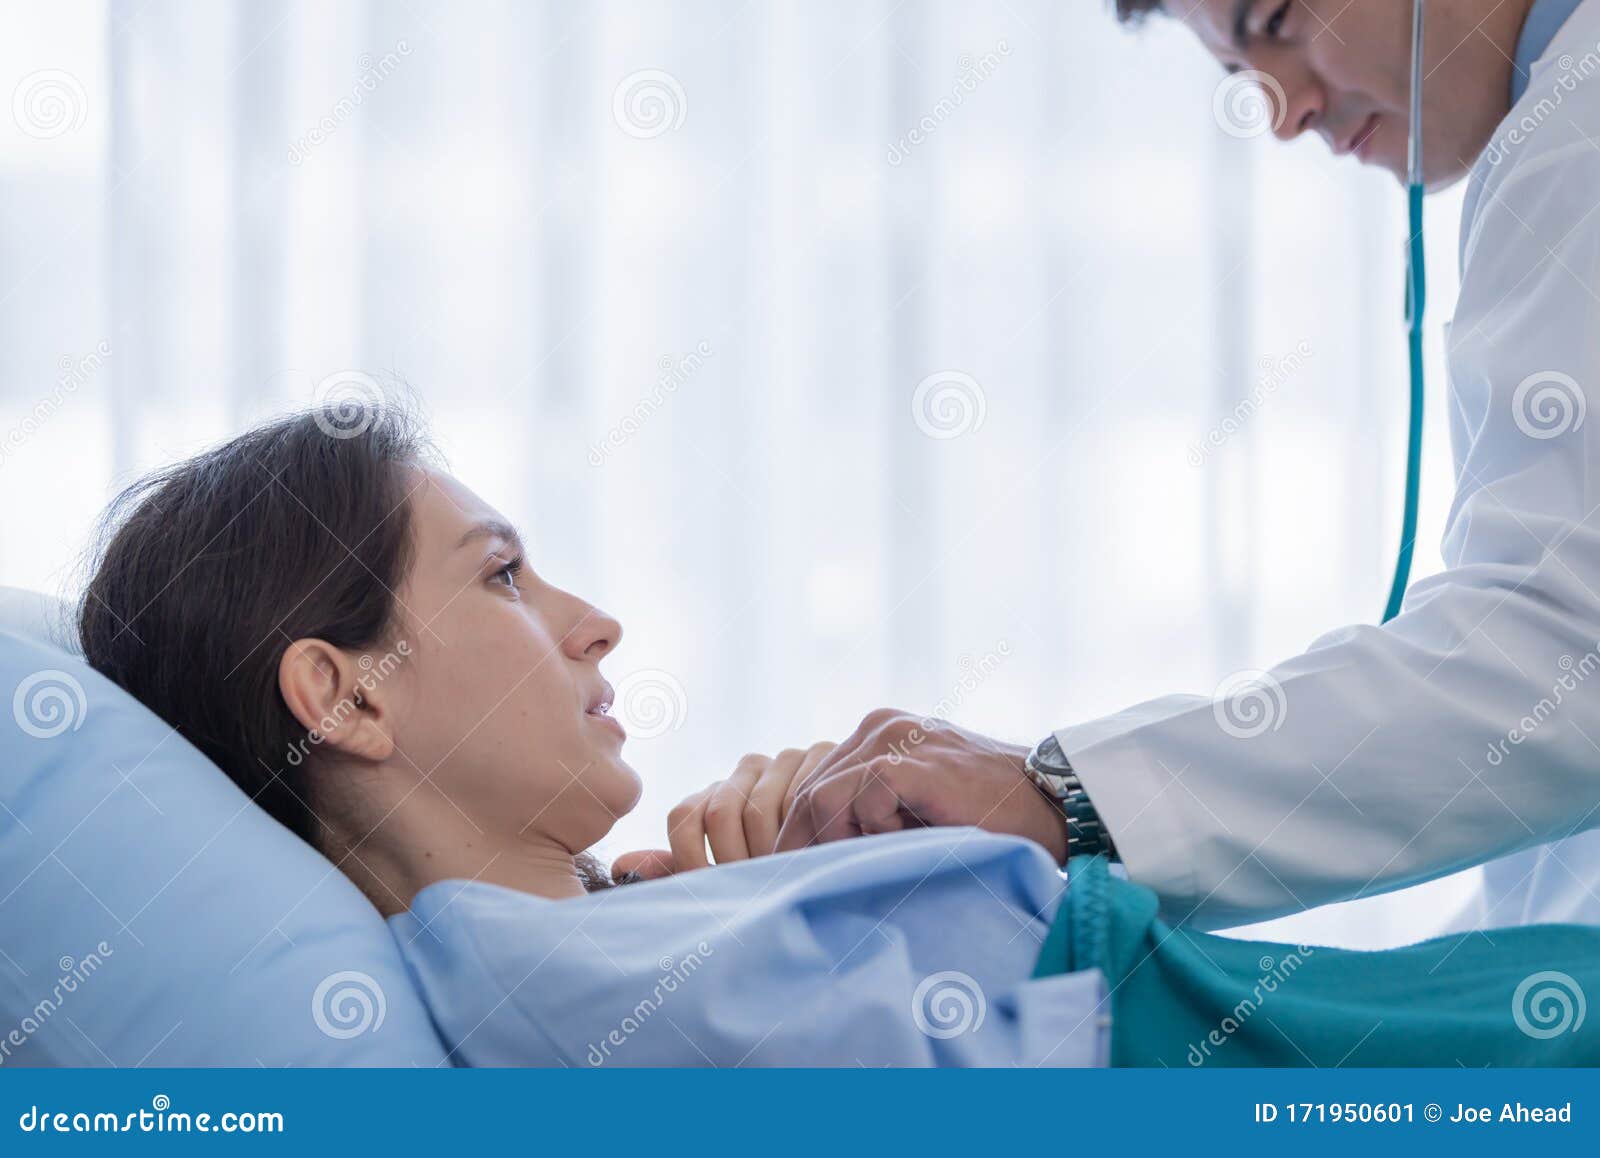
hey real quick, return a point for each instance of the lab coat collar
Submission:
(1544, 20)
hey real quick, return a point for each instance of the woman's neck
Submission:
(423, 839)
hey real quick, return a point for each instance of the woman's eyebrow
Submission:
(491, 529)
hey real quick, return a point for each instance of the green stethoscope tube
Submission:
(1416, 298)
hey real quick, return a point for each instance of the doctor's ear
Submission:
(337, 699)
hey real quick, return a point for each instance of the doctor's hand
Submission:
(902, 771)
(738, 817)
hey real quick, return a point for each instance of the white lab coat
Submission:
(1467, 729)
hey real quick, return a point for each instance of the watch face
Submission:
(1049, 757)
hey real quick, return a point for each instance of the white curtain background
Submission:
(667, 278)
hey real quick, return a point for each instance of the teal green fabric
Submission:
(1503, 997)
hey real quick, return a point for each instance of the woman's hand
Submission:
(901, 771)
(738, 817)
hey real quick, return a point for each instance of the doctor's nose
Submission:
(1301, 112)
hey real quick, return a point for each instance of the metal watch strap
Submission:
(1047, 766)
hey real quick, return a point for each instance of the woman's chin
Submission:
(622, 790)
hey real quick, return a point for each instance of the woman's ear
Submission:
(336, 699)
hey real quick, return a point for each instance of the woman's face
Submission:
(499, 703)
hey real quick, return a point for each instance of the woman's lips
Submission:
(600, 710)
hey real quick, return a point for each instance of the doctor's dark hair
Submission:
(1133, 11)
(207, 570)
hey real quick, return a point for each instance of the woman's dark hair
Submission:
(209, 569)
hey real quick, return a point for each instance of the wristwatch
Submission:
(1048, 768)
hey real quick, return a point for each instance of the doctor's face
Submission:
(1342, 69)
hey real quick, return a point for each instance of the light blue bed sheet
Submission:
(912, 949)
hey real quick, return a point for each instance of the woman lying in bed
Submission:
(356, 639)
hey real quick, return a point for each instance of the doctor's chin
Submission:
(802, 538)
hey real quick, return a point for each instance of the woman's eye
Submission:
(507, 576)
(1275, 21)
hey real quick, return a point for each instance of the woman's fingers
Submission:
(725, 809)
(646, 865)
(686, 830)
(740, 817)
(764, 813)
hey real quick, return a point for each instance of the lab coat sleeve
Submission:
(1467, 728)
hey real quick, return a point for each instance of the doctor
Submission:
(1468, 728)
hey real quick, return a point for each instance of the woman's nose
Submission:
(594, 636)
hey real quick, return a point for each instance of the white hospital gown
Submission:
(913, 949)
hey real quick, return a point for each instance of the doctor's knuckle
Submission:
(880, 718)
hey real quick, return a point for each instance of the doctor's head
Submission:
(1342, 69)
(359, 642)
